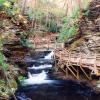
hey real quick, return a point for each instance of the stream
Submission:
(40, 84)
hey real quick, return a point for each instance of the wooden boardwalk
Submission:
(70, 61)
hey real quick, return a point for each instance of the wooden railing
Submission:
(91, 62)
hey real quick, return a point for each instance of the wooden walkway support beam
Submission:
(81, 61)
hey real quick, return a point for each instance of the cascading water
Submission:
(49, 56)
(40, 77)
(35, 78)
(39, 86)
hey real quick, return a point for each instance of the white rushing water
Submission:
(40, 67)
(50, 55)
(40, 77)
(36, 78)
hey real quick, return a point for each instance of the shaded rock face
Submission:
(13, 50)
(94, 15)
(90, 26)
(91, 44)
(15, 53)
(94, 10)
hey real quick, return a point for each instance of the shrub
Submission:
(69, 28)
(52, 26)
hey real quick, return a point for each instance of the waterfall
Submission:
(29, 75)
(50, 55)
(41, 67)
(41, 75)
(36, 78)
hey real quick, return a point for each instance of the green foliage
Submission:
(2, 62)
(21, 77)
(24, 38)
(75, 14)
(7, 6)
(45, 19)
(4, 4)
(30, 15)
(86, 13)
(69, 28)
(3, 89)
(52, 26)
(3, 65)
(39, 14)
(25, 43)
(30, 31)
(13, 11)
(2, 1)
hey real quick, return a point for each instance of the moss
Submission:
(76, 44)
(6, 90)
